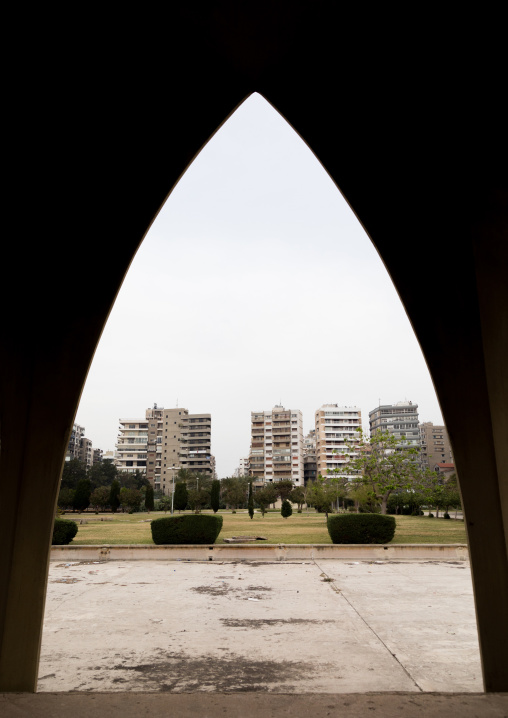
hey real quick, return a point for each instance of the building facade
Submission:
(131, 445)
(309, 468)
(276, 451)
(435, 447)
(309, 443)
(164, 442)
(336, 428)
(243, 467)
(400, 420)
(80, 447)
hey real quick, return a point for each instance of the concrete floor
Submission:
(337, 627)
(253, 705)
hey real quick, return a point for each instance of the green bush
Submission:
(286, 509)
(361, 528)
(186, 529)
(63, 532)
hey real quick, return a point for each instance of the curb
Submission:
(257, 552)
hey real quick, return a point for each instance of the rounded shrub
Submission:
(361, 528)
(446, 516)
(286, 509)
(63, 532)
(186, 529)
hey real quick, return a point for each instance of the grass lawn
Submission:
(298, 528)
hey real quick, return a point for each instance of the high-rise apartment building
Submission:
(79, 446)
(276, 450)
(400, 420)
(336, 428)
(309, 443)
(164, 442)
(243, 467)
(435, 445)
(309, 468)
(131, 445)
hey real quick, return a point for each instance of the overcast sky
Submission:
(255, 286)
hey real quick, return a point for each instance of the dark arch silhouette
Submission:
(410, 126)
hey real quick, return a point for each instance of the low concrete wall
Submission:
(260, 552)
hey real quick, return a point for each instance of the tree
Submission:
(320, 494)
(284, 488)
(186, 476)
(250, 502)
(149, 503)
(164, 503)
(181, 497)
(265, 496)
(297, 496)
(73, 472)
(234, 491)
(286, 509)
(81, 500)
(215, 495)
(198, 498)
(114, 496)
(384, 464)
(99, 498)
(103, 473)
(131, 499)
(132, 480)
(66, 498)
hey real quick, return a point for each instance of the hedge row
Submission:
(63, 532)
(186, 529)
(361, 528)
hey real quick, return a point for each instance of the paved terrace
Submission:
(335, 626)
(319, 637)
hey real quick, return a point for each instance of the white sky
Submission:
(255, 286)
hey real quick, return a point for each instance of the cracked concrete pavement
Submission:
(276, 627)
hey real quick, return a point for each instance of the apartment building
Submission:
(86, 452)
(164, 442)
(131, 445)
(400, 420)
(309, 443)
(243, 467)
(309, 468)
(276, 450)
(336, 428)
(435, 445)
(80, 447)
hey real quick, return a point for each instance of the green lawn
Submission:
(298, 528)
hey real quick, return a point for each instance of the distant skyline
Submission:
(255, 286)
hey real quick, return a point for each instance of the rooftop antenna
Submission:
(177, 403)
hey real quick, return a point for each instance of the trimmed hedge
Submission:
(63, 532)
(186, 529)
(361, 528)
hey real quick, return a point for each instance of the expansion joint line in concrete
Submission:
(323, 572)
